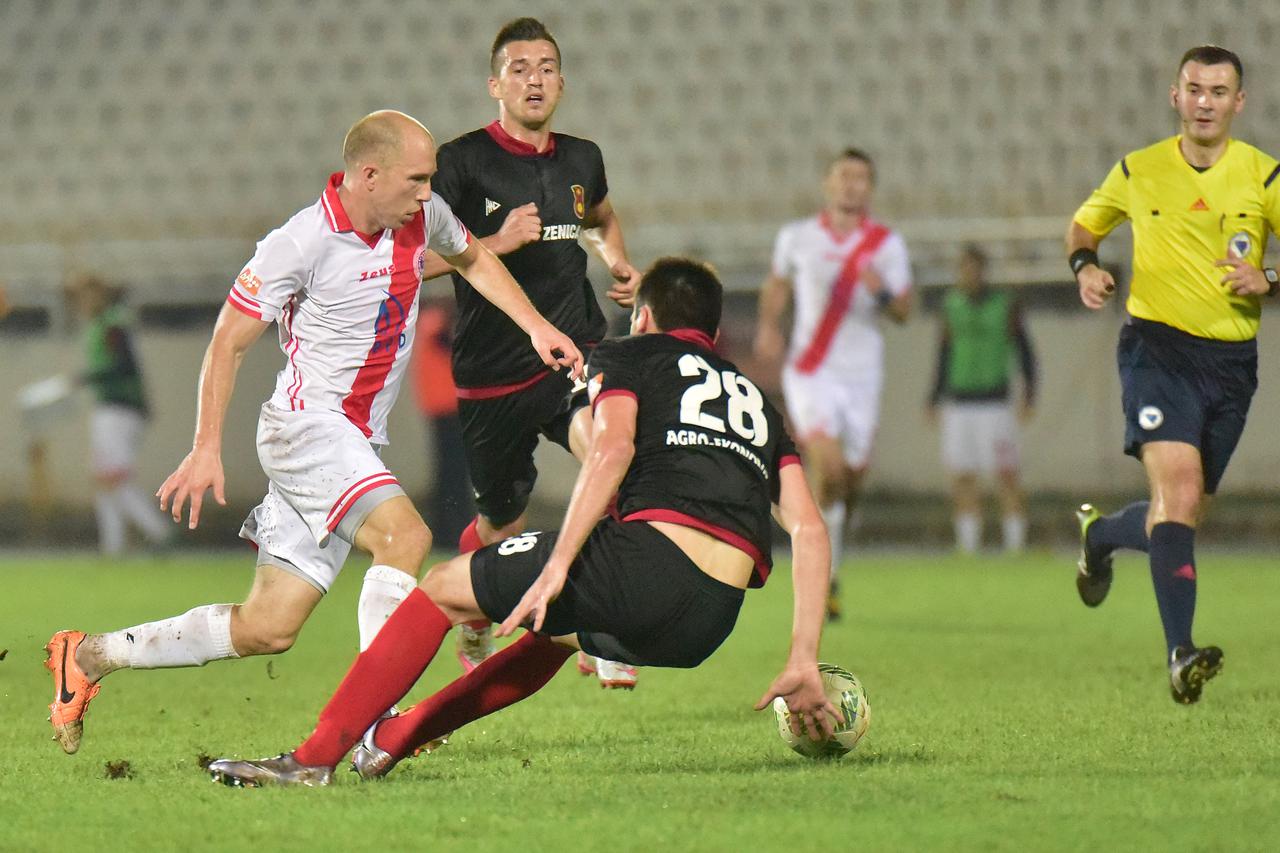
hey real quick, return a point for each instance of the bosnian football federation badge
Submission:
(1150, 417)
(579, 201)
(1240, 245)
(420, 260)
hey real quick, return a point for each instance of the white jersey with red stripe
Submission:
(836, 319)
(346, 304)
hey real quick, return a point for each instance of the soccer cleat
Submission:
(282, 770)
(475, 645)
(72, 690)
(616, 675)
(586, 664)
(1093, 573)
(368, 760)
(1189, 669)
(833, 602)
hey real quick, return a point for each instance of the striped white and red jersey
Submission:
(346, 304)
(836, 326)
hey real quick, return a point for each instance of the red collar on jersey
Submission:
(337, 214)
(518, 146)
(693, 336)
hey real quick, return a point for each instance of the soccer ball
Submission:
(846, 693)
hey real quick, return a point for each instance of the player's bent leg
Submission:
(1177, 486)
(269, 620)
(395, 535)
(475, 638)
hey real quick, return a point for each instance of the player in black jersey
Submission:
(530, 195)
(696, 457)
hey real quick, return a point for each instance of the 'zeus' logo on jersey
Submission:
(560, 232)
(379, 273)
(579, 200)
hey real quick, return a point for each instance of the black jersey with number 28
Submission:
(708, 445)
(484, 175)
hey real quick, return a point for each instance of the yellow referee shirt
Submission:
(1183, 221)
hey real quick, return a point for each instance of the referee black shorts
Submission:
(632, 596)
(500, 435)
(1179, 387)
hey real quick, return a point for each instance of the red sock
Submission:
(380, 677)
(470, 539)
(515, 673)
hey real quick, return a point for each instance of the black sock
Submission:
(1173, 573)
(1124, 529)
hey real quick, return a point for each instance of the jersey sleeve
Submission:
(782, 265)
(599, 180)
(785, 454)
(893, 265)
(272, 277)
(611, 371)
(1271, 196)
(450, 176)
(1108, 206)
(446, 235)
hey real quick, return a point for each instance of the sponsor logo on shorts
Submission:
(579, 200)
(1240, 245)
(1150, 417)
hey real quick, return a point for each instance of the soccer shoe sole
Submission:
(1092, 586)
(68, 724)
(1194, 676)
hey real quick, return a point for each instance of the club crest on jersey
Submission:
(420, 260)
(1150, 417)
(579, 201)
(1240, 244)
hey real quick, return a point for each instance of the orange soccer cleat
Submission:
(72, 690)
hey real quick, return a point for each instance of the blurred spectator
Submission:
(982, 327)
(451, 504)
(118, 417)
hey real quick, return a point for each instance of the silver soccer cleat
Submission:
(368, 760)
(281, 770)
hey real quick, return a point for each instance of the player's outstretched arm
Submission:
(800, 684)
(521, 227)
(775, 295)
(612, 448)
(1096, 284)
(202, 469)
(493, 281)
(603, 231)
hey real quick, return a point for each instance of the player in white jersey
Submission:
(341, 280)
(844, 270)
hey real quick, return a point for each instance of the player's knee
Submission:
(407, 543)
(259, 636)
(443, 584)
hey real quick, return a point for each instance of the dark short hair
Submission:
(682, 294)
(852, 153)
(975, 253)
(1211, 54)
(521, 29)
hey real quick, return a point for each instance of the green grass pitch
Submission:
(1005, 716)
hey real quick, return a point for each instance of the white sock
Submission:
(142, 510)
(384, 588)
(1015, 533)
(834, 515)
(968, 527)
(106, 506)
(192, 639)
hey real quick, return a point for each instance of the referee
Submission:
(1201, 204)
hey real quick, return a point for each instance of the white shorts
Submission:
(325, 478)
(979, 437)
(844, 408)
(115, 433)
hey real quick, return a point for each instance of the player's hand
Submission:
(1096, 286)
(521, 227)
(201, 470)
(812, 713)
(1244, 278)
(532, 608)
(556, 349)
(625, 280)
(769, 344)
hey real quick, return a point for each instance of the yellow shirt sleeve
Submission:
(1271, 200)
(1108, 206)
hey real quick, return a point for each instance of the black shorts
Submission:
(632, 596)
(501, 434)
(1179, 387)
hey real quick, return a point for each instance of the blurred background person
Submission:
(451, 503)
(982, 330)
(118, 417)
(845, 270)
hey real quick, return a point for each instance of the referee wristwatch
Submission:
(1273, 280)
